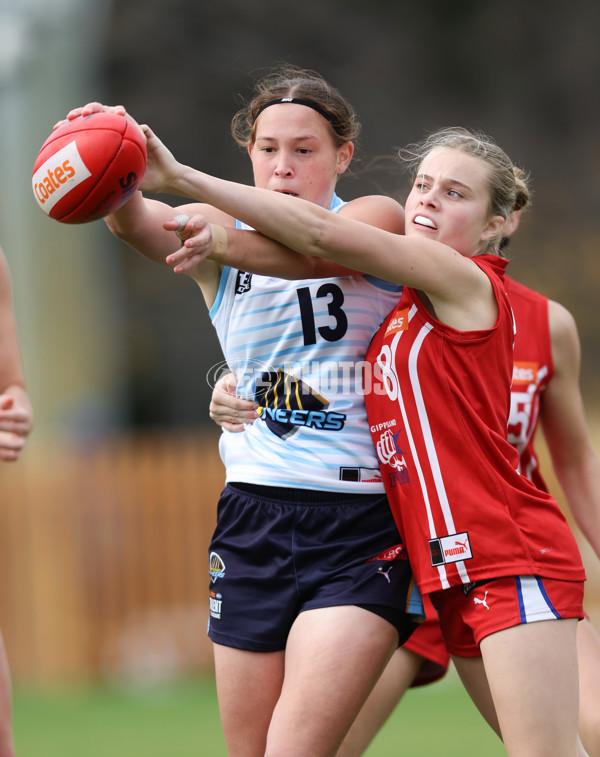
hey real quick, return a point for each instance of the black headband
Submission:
(308, 103)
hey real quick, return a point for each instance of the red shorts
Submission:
(470, 613)
(427, 641)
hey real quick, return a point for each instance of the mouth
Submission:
(424, 221)
(287, 192)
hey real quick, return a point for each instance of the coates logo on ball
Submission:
(89, 167)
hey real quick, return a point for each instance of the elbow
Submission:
(114, 227)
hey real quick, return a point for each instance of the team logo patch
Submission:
(243, 282)
(287, 404)
(398, 322)
(390, 453)
(524, 373)
(216, 567)
(449, 549)
(215, 604)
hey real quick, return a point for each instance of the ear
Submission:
(344, 156)
(493, 228)
(249, 148)
(511, 224)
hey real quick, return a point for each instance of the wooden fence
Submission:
(103, 555)
(103, 558)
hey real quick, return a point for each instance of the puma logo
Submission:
(385, 573)
(483, 602)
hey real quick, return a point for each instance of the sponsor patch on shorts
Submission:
(448, 549)
(215, 602)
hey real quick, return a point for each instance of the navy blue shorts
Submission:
(276, 552)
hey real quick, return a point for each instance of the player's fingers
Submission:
(225, 413)
(223, 398)
(182, 221)
(228, 383)
(184, 259)
(187, 227)
(177, 257)
(11, 443)
(16, 422)
(97, 107)
(188, 264)
(73, 114)
(234, 428)
(9, 455)
(87, 110)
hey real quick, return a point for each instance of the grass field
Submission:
(182, 720)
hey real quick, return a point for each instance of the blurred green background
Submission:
(181, 719)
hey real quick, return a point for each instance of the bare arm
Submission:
(575, 463)
(16, 416)
(253, 252)
(143, 223)
(458, 289)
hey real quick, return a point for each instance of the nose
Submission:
(283, 166)
(428, 197)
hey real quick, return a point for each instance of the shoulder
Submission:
(376, 210)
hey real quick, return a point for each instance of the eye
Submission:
(304, 151)
(454, 193)
(420, 185)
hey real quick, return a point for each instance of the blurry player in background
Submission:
(16, 419)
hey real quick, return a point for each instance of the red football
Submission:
(89, 167)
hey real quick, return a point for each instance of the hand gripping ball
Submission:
(89, 167)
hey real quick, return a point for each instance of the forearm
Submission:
(138, 223)
(298, 225)
(580, 483)
(307, 228)
(253, 252)
(259, 208)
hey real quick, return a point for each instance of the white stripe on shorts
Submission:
(534, 603)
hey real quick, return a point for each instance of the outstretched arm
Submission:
(142, 222)
(574, 460)
(458, 289)
(253, 252)
(147, 226)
